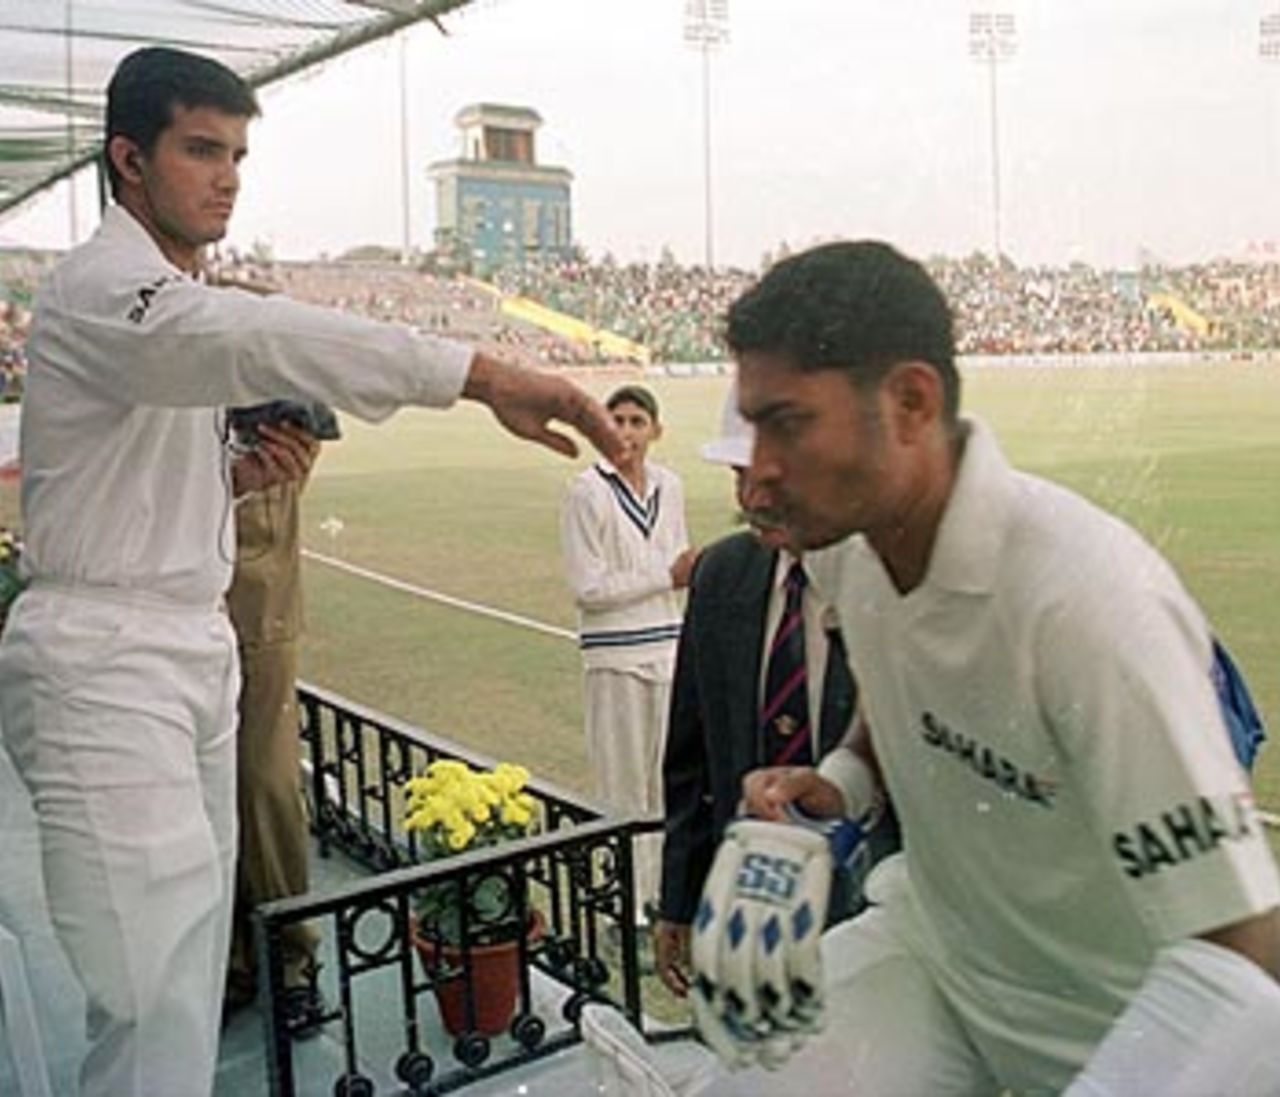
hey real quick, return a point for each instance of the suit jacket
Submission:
(714, 735)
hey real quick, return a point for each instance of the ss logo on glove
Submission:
(757, 963)
(768, 878)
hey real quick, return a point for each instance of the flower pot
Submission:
(495, 979)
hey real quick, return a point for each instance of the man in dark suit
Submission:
(717, 731)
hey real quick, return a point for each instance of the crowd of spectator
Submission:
(1000, 308)
(673, 310)
(1004, 309)
(21, 271)
(15, 319)
(451, 306)
(676, 311)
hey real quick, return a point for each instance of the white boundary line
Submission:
(442, 599)
(1268, 818)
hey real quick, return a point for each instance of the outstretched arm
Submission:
(526, 402)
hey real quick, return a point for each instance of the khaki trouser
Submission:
(266, 607)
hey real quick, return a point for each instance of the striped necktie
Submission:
(784, 717)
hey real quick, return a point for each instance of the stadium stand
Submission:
(578, 312)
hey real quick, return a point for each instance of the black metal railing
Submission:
(573, 880)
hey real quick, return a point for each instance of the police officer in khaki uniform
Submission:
(265, 603)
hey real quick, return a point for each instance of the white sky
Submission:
(1123, 124)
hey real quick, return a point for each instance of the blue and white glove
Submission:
(757, 961)
(846, 838)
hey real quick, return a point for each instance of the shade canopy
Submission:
(56, 57)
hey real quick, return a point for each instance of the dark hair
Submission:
(147, 84)
(634, 394)
(859, 306)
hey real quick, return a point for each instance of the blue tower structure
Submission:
(495, 204)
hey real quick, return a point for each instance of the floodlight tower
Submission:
(1269, 37)
(405, 245)
(706, 28)
(73, 213)
(993, 39)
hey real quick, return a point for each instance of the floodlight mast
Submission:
(405, 244)
(1268, 51)
(1269, 36)
(993, 39)
(706, 28)
(73, 213)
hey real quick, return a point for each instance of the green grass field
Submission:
(1191, 456)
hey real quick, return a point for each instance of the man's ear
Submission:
(914, 392)
(125, 158)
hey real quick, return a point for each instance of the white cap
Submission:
(737, 436)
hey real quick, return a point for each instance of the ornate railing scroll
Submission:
(576, 874)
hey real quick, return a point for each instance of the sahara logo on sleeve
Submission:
(1184, 832)
(146, 295)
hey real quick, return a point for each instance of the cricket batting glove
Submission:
(757, 961)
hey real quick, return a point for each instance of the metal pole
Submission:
(707, 28)
(995, 155)
(706, 150)
(404, 152)
(73, 217)
(1269, 44)
(992, 40)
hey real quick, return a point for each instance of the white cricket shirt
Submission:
(618, 551)
(1042, 709)
(124, 478)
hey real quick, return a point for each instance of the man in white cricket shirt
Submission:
(118, 674)
(1086, 902)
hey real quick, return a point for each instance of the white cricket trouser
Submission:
(626, 723)
(893, 1031)
(120, 715)
(888, 1032)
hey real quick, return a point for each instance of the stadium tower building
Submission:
(495, 204)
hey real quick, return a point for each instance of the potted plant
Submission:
(453, 808)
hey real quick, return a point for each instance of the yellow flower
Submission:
(486, 790)
(514, 814)
(460, 836)
(508, 778)
(445, 769)
(423, 817)
(457, 808)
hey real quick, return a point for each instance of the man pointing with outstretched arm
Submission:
(118, 672)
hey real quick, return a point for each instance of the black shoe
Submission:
(305, 1011)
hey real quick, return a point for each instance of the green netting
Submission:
(57, 55)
